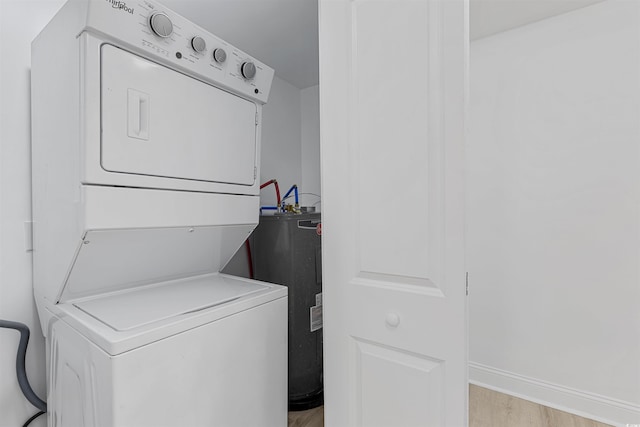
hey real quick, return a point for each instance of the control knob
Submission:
(248, 70)
(219, 55)
(198, 44)
(161, 24)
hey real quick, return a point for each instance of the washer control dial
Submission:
(161, 24)
(198, 44)
(219, 55)
(248, 70)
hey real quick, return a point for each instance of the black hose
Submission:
(21, 373)
(26, 423)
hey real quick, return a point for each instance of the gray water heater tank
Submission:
(286, 250)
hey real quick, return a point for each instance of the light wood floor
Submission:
(309, 418)
(487, 408)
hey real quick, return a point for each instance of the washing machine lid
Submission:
(131, 309)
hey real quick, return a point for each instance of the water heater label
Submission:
(315, 314)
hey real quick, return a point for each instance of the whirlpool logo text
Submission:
(120, 5)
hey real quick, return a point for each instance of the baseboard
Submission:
(588, 405)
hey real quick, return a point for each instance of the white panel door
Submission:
(392, 110)
(159, 122)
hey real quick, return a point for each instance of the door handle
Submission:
(393, 320)
(137, 114)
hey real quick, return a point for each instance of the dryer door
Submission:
(159, 122)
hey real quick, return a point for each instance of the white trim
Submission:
(582, 403)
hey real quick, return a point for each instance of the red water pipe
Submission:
(275, 184)
(247, 245)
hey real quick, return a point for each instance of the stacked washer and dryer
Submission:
(146, 146)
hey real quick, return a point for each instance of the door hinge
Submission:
(466, 283)
(255, 172)
(256, 118)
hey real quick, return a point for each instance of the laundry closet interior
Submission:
(552, 205)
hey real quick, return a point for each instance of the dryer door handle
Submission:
(137, 114)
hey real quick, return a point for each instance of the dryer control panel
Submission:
(164, 36)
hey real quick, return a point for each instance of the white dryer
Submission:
(146, 146)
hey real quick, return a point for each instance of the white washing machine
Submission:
(146, 146)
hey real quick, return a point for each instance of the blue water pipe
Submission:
(293, 188)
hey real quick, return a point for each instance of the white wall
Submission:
(554, 211)
(20, 22)
(310, 140)
(291, 142)
(281, 149)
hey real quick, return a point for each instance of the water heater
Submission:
(287, 251)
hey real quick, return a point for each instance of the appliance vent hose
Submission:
(21, 372)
